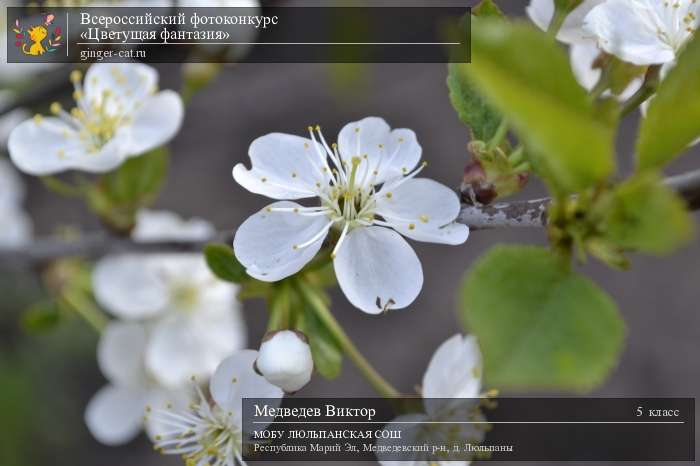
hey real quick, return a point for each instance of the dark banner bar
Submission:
(504, 429)
(233, 35)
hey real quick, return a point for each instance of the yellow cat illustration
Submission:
(36, 35)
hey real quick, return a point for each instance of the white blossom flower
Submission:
(643, 32)
(118, 114)
(368, 192)
(115, 415)
(15, 225)
(213, 435)
(452, 378)
(285, 360)
(195, 318)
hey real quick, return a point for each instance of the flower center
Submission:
(184, 296)
(96, 121)
(203, 435)
(678, 23)
(348, 188)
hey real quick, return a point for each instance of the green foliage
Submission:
(569, 146)
(647, 216)
(539, 324)
(118, 195)
(473, 111)
(223, 263)
(487, 8)
(673, 117)
(41, 317)
(326, 352)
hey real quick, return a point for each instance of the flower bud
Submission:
(285, 360)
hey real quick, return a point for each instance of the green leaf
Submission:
(527, 77)
(137, 179)
(487, 8)
(41, 317)
(673, 118)
(473, 111)
(118, 195)
(327, 355)
(648, 216)
(223, 263)
(539, 324)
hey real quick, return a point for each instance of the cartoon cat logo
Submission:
(31, 40)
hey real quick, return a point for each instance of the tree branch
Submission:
(522, 214)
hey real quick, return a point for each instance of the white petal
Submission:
(11, 185)
(16, 228)
(162, 225)
(571, 31)
(284, 166)
(127, 286)
(583, 56)
(51, 146)
(129, 85)
(390, 153)
(422, 209)
(120, 354)
(377, 270)
(162, 399)
(187, 345)
(265, 242)
(114, 415)
(629, 29)
(236, 379)
(155, 122)
(454, 371)
(9, 121)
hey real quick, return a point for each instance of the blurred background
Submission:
(46, 378)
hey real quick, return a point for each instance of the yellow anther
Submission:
(389, 195)
(295, 247)
(234, 380)
(411, 226)
(310, 128)
(76, 76)
(306, 145)
(55, 108)
(296, 210)
(38, 118)
(294, 175)
(318, 127)
(381, 146)
(334, 146)
(424, 218)
(357, 130)
(263, 179)
(77, 95)
(356, 161)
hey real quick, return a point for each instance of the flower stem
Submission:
(378, 382)
(88, 311)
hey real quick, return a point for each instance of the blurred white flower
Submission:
(115, 415)
(643, 32)
(367, 191)
(213, 435)
(9, 121)
(162, 225)
(541, 13)
(15, 224)
(285, 360)
(118, 114)
(453, 378)
(195, 318)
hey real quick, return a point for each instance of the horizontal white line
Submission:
(268, 43)
(477, 422)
